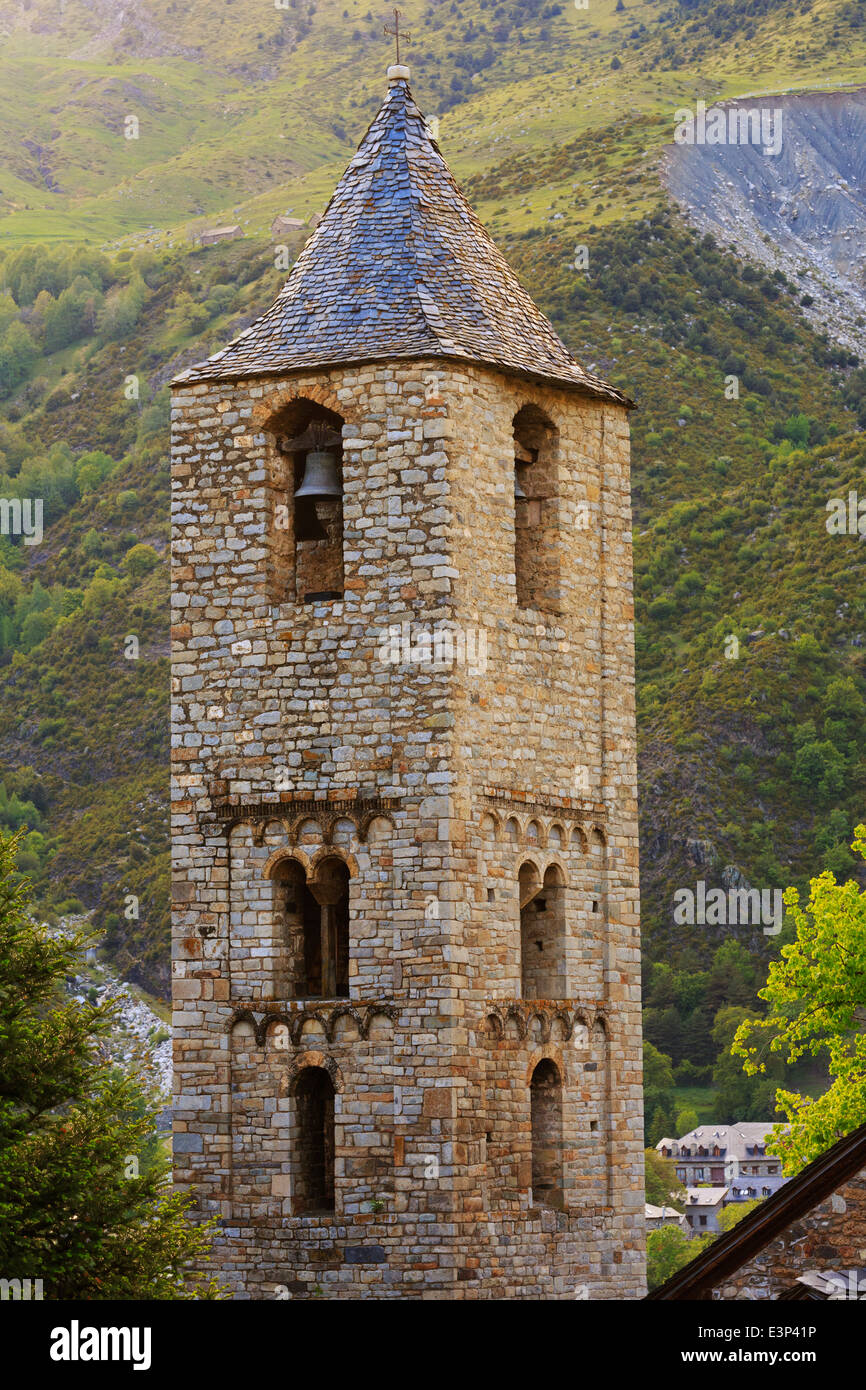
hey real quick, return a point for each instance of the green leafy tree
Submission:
(731, 1215)
(669, 1249)
(73, 1212)
(140, 560)
(738, 1096)
(663, 1187)
(658, 1093)
(816, 994)
(686, 1121)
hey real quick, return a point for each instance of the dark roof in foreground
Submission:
(739, 1245)
(400, 267)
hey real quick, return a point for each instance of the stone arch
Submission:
(515, 1024)
(560, 1027)
(597, 839)
(375, 1011)
(275, 859)
(242, 1029)
(275, 826)
(313, 1058)
(326, 852)
(493, 1027)
(268, 413)
(512, 830)
(555, 872)
(312, 1027)
(581, 1032)
(556, 836)
(491, 824)
(379, 1026)
(578, 840)
(278, 1034)
(308, 830)
(240, 832)
(376, 827)
(533, 834)
(341, 830)
(537, 1027)
(345, 1025)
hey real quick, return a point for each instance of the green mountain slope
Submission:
(753, 760)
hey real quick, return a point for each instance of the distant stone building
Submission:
(734, 1155)
(215, 234)
(404, 821)
(281, 226)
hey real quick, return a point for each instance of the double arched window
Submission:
(314, 917)
(542, 933)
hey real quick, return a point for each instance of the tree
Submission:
(731, 1215)
(741, 1097)
(663, 1187)
(817, 996)
(140, 560)
(669, 1249)
(73, 1211)
(686, 1121)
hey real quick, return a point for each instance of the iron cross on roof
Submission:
(395, 33)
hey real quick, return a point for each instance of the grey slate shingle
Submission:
(400, 267)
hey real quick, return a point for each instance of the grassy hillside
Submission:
(553, 118)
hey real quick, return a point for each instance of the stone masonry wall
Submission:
(327, 729)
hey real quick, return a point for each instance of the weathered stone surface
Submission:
(456, 730)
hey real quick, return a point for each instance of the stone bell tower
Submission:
(406, 932)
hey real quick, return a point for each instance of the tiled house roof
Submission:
(400, 267)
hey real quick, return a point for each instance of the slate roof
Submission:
(734, 1140)
(400, 267)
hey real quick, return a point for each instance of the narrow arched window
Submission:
(314, 1147)
(536, 511)
(546, 1107)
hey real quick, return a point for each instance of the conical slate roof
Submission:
(400, 267)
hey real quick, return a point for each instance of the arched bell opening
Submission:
(309, 441)
(536, 510)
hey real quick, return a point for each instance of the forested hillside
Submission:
(751, 615)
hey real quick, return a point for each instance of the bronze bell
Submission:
(320, 475)
(523, 458)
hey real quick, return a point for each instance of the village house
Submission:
(733, 1155)
(216, 234)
